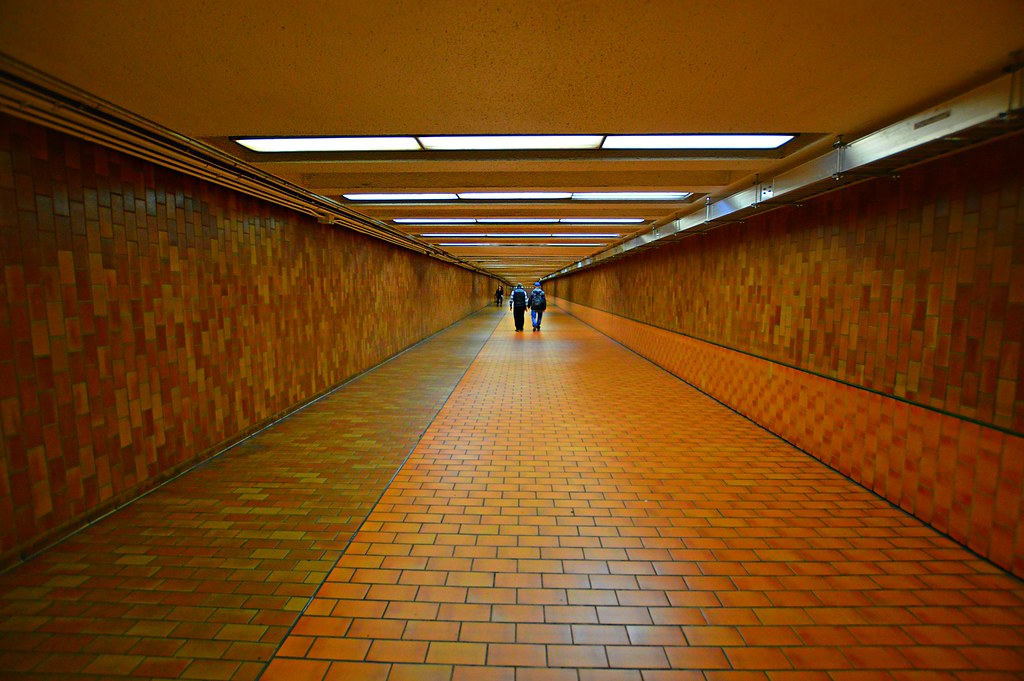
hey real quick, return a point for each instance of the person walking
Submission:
(538, 303)
(517, 303)
(499, 294)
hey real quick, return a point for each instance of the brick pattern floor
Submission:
(203, 578)
(575, 513)
(572, 513)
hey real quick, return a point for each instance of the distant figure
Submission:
(499, 294)
(538, 303)
(517, 303)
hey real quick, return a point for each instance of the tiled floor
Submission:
(573, 513)
(203, 578)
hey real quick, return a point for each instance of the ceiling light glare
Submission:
(434, 221)
(515, 196)
(285, 144)
(449, 235)
(510, 142)
(695, 141)
(575, 245)
(389, 198)
(518, 221)
(606, 221)
(630, 196)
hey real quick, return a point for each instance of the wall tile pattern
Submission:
(846, 324)
(147, 317)
(963, 479)
(912, 287)
(203, 578)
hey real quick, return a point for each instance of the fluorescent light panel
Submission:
(469, 221)
(401, 197)
(517, 221)
(695, 141)
(607, 221)
(523, 196)
(630, 196)
(515, 196)
(523, 235)
(510, 142)
(434, 221)
(284, 144)
(495, 244)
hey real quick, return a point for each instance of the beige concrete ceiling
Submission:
(214, 70)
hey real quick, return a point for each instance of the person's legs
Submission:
(537, 316)
(518, 316)
(534, 316)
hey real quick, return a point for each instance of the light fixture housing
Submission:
(631, 196)
(514, 196)
(433, 221)
(509, 142)
(327, 144)
(716, 141)
(384, 198)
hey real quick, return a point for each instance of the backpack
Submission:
(518, 297)
(538, 301)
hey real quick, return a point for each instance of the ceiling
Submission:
(213, 71)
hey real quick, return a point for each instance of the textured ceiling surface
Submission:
(213, 70)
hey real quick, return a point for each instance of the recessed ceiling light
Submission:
(609, 221)
(514, 196)
(522, 221)
(496, 244)
(434, 220)
(511, 142)
(401, 197)
(695, 141)
(282, 144)
(630, 196)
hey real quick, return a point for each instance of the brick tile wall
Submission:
(878, 327)
(147, 317)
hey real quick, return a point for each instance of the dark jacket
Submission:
(517, 298)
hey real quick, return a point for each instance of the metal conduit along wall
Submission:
(986, 112)
(38, 97)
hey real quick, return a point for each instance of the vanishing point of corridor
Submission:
(568, 511)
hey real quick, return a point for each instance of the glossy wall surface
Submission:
(147, 318)
(879, 328)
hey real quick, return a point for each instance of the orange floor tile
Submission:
(573, 512)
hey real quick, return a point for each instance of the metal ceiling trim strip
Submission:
(988, 111)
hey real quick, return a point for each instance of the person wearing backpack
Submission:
(538, 303)
(517, 303)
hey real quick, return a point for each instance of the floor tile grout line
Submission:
(384, 491)
(799, 449)
(288, 413)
